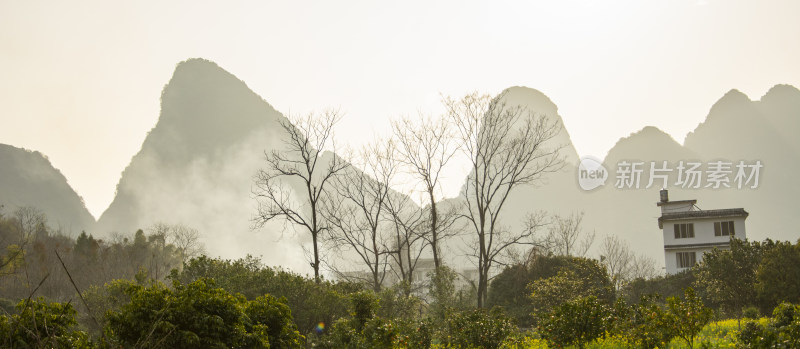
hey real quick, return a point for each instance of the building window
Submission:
(684, 230)
(685, 259)
(723, 228)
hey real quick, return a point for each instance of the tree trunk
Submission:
(315, 264)
(434, 238)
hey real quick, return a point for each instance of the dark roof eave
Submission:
(661, 203)
(698, 245)
(730, 212)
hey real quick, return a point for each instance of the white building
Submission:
(689, 232)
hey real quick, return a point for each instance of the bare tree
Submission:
(567, 237)
(299, 168)
(185, 239)
(28, 223)
(409, 223)
(623, 264)
(506, 148)
(426, 146)
(643, 267)
(618, 259)
(356, 214)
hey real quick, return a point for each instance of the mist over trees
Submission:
(537, 280)
(302, 160)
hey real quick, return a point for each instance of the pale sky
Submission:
(80, 81)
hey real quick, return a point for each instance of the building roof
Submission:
(728, 212)
(661, 203)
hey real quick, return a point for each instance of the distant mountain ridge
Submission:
(195, 167)
(28, 179)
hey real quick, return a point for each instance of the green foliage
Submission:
(648, 325)
(41, 324)
(89, 261)
(110, 297)
(363, 328)
(201, 315)
(446, 298)
(782, 331)
(670, 285)
(750, 312)
(417, 335)
(312, 303)
(778, 275)
(363, 308)
(728, 277)
(575, 322)
(274, 317)
(510, 291)
(380, 333)
(12, 260)
(395, 303)
(583, 278)
(479, 328)
(688, 316)
(86, 247)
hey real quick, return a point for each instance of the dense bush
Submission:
(510, 289)
(666, 286)
(782, 331)
(687, 316)
(576, 322)
(312, 303)
(201, 315)
(42, 324)
(647, 324)
(479, 328)
(581, 278)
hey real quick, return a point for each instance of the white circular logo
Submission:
(591, 173)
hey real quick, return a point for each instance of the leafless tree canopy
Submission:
(506, 148)
(623, 264)
(425, 147)
(567, 237)
(617, 257)
(409, 225)
(299, 166)
(186, 239)
(356, 212)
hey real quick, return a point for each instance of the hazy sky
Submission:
(80, 80)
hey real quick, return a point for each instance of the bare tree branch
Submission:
(293, 185)
(506, 148)
(426, 146)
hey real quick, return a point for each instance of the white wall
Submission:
(703, 233)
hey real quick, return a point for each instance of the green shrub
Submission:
(751, 312)
(417, 336)
(201, 315)
(782, 331)
(688, 316)
(311, 302)
(477, 328)
(41, 324)
(647, 325)
(576, 322)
